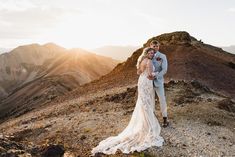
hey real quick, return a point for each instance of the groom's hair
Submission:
(154, 42)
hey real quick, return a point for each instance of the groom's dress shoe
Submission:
(165, 122)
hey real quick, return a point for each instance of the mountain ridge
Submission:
(24, 86)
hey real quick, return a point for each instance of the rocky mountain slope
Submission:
(201, 122)
(23, 64)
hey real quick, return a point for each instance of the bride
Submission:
(143, 130)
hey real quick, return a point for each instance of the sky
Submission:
(95, 23)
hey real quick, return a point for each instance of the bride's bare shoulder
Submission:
(145, 60)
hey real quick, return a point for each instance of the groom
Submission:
(160, 64)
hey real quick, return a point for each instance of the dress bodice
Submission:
(145, 72)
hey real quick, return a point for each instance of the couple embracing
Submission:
(143, 130)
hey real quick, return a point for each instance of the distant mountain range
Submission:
(121, 53)
(230, 49)
(116, 52)
(34, 73)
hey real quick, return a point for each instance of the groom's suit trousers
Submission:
(162, 99)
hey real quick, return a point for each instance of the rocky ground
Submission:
(10, 148)
(202, 123)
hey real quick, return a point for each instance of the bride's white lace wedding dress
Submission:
(143, 130)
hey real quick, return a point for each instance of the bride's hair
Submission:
(143, 56)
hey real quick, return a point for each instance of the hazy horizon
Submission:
(230, 49)
(8, 49)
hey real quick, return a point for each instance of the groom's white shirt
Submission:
(160, 68)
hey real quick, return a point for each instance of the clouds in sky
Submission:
(24, 19)
(231, 9)
(94, 23)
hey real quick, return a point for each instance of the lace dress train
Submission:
(143, 130)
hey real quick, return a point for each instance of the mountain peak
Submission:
(178, 37)
(36, 46)
(52, 45)
(33, 45)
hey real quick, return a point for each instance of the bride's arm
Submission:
(138, 71)
(149, 67)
